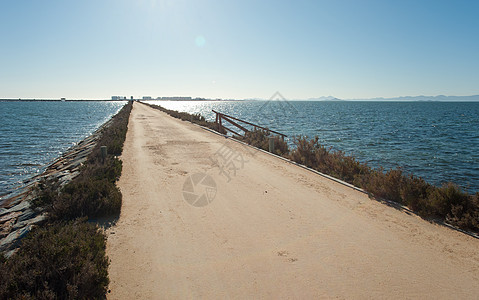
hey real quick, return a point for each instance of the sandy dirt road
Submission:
(274, 230)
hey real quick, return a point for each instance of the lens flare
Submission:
(200, 41)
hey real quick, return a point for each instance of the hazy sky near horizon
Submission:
(238, 49)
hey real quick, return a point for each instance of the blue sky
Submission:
(238, 49)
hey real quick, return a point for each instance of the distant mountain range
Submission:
(325, 98)
(427, 98)
(402, 98)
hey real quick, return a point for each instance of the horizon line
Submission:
(438, 98)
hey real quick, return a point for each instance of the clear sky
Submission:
(238, 49)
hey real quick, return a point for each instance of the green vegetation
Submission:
(82, 197)
(59, 261)
(65, 258)
(260, 139)
(93, 193)
(335, 163)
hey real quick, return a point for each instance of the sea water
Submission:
(33, 133)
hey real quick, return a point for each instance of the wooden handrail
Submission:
(222, 116)
(234, 123)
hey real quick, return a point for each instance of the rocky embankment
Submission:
(17, 217)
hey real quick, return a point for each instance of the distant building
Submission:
(175, 98)
(146, 98)
(63, 99)
(118, 98)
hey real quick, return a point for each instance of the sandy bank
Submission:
(272, 229)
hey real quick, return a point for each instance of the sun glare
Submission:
(200, 41)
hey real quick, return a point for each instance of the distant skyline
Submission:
(238, 49)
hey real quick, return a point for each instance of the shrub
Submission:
(305, 151)
(81, 198)
(441, 200)
(96, 170)
(260, 139)
(113, 136)
(342, 166)
(466, 214)
(194, 118)
(385, 185)
(414, 192)
(93, 193)
(60, 261)
(335, 163)
(446, 203)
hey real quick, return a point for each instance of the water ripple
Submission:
(34, 133)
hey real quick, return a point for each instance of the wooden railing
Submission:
(220, 117)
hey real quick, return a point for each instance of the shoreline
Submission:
(64, 255)
(17, 218)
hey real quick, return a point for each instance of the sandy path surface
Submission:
(273, 230)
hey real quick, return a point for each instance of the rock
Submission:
(27, 214)
(14, 198)
(66, 179)
(13, 239)
(7, 228)
(60, 174)
(16, 216)
(19, 207)
(35, 221)
(9, 216)
(76, 163)
(10, 253)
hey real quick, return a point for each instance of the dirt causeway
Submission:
(255, 226)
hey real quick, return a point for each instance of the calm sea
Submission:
(32, 134)
(438, 141)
